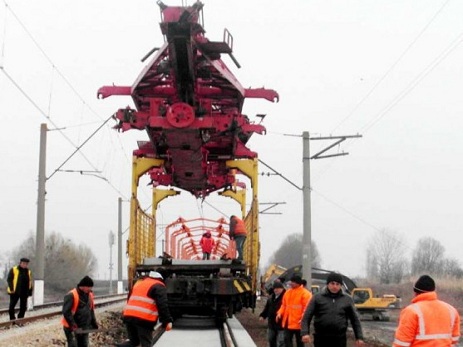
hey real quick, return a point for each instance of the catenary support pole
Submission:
(307, 217)
(39, 273)
(120, 286)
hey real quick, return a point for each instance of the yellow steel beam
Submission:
(249, 168)
(239, 196)
(135, 250)
(158, 196)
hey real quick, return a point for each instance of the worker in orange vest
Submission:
(292, 308)
(238, 233)
(207, 243)
(427, 321)
(78, 312)
(147, 302)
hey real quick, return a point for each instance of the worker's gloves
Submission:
(168, 326)
(74, 327)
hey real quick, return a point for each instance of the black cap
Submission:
(278, 284)
(24, 260)
(424, 284)
(85, 282)
(296, 279)
(334, 277)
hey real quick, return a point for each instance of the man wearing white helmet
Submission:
(146, 303)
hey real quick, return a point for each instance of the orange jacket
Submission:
(207, 243)
(428, 322)
(140, 305)
(237, 227)
(293, 306)
(75, 304)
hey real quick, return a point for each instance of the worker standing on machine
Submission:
(207, 243)
(147, 301)
(238, 233)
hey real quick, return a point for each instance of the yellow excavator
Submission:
(364, 299)
(271, 274)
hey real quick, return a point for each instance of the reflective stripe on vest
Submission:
(140, 305)
(15, 280)
(75, 304)
(422, 327)
(401, 343)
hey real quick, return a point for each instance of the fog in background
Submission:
(391, 71)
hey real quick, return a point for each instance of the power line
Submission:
(79, 147)
(47, 116)
(281, 175)
(415, 82)
(23, 92)
(392, 66)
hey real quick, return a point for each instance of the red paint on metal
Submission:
(190, 104)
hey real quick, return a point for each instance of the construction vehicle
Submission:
(377, 307)
(365, 301)
(271, 274)
(190, 105)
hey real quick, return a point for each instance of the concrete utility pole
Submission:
(111, 244)
(307, 214)
(120, 286)
(39, 274)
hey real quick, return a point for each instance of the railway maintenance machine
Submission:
(190, 105)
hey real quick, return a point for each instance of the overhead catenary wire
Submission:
(35, 105)
(23, 92)
(391, 68)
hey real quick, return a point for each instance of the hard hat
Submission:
(155, 274)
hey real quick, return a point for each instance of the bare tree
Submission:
(428, 257)
(451, 267)
(290, 252)
(386, 256)
(65, 262)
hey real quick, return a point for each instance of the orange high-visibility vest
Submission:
(15, 280)
(75, 304)
(140, 305)
(240, 227)
(428, 322)
(292, 308)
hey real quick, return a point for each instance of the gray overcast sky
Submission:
(389, 70)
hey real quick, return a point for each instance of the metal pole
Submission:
(39, 274)
(119, 246)
(307, 228)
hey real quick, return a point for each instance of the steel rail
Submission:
(56, 312)
(60, 303)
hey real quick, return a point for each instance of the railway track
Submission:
(187, 331)
(54, 309)
(191, 331)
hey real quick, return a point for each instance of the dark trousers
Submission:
(239, 241)
(139, 335)
(289, 334)
(75, 340)
(330, 340)
(276, 337)
(22, 305)
(206, 256)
